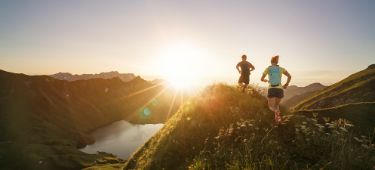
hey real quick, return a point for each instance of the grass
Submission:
(307, 144)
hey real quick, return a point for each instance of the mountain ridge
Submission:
(358, 87)
(104, 75)
(293, 94)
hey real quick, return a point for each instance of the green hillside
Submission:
(358, 87)
(225, 129)
(43, 121)
(362, 115)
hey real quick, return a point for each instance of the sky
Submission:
(318, 41)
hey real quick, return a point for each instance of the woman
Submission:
(275, 88)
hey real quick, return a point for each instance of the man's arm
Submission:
(289, 78)
(252, 68)
(238, 68)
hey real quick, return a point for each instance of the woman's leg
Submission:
(271, 103)
(277, 104)
(277, 110)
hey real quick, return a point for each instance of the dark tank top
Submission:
(245, 67)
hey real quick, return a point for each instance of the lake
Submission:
(121, 138)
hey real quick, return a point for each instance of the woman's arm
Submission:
(289, 78)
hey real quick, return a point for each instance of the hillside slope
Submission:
(44, 120)
(225, 129)
(358, 87)
(183, 136)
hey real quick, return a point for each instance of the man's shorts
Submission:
(275, 92)
(244, 79)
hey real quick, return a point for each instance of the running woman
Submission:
(275, 88)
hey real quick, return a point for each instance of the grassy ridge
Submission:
(225, 129)
(182, 137)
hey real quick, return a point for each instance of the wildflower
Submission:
(315, 114)
(349, 125)
(343, 129)
(365, 146)
(358, 140)
(326, 119)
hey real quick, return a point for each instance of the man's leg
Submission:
(240, 84)
(244, 87)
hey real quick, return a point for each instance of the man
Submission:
(275, 88)
(244, 68)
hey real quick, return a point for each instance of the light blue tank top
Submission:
(274, 75)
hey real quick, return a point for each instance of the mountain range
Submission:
(104, 75)
(44, 121)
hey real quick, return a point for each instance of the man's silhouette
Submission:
(244, 68)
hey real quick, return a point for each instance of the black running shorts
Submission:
(275, 92)
(244, 79)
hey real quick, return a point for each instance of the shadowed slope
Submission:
(43, 120)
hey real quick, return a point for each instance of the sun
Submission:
(181, 65)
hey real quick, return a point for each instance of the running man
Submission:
(244, 68)
(275, 89)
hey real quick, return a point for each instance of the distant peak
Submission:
(63, 73)
(372, 66)
(315, 84)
